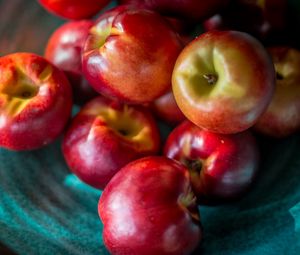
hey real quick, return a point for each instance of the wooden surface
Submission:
(24, 26)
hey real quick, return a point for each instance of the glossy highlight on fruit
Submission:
(35, 101)
(64, 49)
(282, 117)
(166, 109)
(74, 9)
(106, 135)
(222, 167)
(148, 208)
(130, 55)
(223, 81)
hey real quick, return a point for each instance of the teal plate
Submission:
(45, 210)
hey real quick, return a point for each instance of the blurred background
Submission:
(265, 222)
(25, 26)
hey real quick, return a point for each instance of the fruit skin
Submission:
(35, 101)
(106, 135)
(180, 26)
(262, 19)
(166, 109)
(148, 208)
(74, 9)
(282, 117)
(193, 10)
(222, 167)
(64, 50)
(130, 55)
(223, 81)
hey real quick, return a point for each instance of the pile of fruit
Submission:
(142, 61)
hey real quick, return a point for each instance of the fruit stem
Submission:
(123, 132)
(211, 78)
(193, 165)
(26, 94)
(279, 76)
(188, 202)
